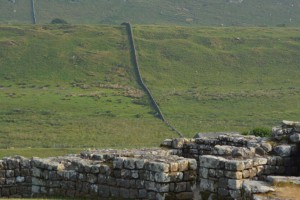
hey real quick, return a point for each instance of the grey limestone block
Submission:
(233, 174)
(209, 161)
(133, 193)
(234, 165)
(157, 166)
(124, 193)
(180, 187)
(162, 177)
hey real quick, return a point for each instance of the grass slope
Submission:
(222, 79)
(72, 86)
(181, 12)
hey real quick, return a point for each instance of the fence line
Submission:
(140, 79)
(33, 12)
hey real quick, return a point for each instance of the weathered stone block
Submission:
(259, 161)
(208, 185)
(233, 175)
(142, 193)
(180, 187)
(129, 163)
(173, 167)
(203, 172)
(118, 163)
(235, 184)
(234, 165)
(162, 187)
(183, 165)
(139, 163)
(157, 166)
(114, 192)
(246, 174)
(133, 193)
(283, 150)
(162, 177)
(104, 191)
(211, 161)
(124, 193)
(184, 195)
(223, 192)
(235, 194)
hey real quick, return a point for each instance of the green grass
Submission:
(176, 12)
(67, 87)
(222, 79)
(72, 87)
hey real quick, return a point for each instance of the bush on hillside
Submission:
(260, 132)
(58, 21)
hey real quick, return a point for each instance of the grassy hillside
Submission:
(222, 79)
(72, 86)
(181, 12)
(17, 13)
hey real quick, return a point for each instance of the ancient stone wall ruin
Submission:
(213, 166)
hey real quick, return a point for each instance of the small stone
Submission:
(167, 143)
(233, 175)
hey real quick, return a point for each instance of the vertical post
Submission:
(33, 12)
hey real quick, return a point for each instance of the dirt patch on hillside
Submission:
(7, 43)
(287, 192)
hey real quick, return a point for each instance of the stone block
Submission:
(133, 194)
(114, 192)
(183, 165)
(233, 175)
(235, 184)
(295, 137)
(203, 172)
(223, 183)
(162, 187)
(142, 193)
(209, 161)
(235, 194)
(234, 165)
(36, 172)
(259, 161)
(129, 163)
(192, 164)
(91, 178)
(208, 185)
(149, 185)
(20, 179)
(104, 191)
(173, 167)
(139, 163)
(10, 173)
(178, 143)
(248, 164)
(140, 184)
(180, 187)
(162, 177)
(246, 174)
(283, 150)
(223, 192)
(185, 195)
(157, 166)
(118, 163)
(124, 193)
(35, 189)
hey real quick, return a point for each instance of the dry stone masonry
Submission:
(209, 166)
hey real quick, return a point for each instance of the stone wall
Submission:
(148, 174)
(210, 166)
